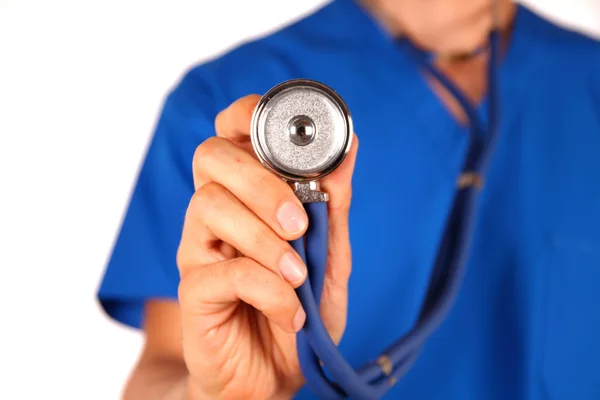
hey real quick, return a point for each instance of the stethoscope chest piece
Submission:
(302, 131)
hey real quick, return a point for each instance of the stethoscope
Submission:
(302, 131)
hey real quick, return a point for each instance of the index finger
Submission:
(233, 123)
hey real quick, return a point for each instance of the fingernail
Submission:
(291, 217)
(292, 268)
(299, 319)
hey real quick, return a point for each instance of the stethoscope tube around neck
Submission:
(327, 374)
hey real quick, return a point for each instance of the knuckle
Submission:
(210, 192)
(188, 289)
(220, 119)
(206, 152)
(182, 258)
(190, 254)
(245, 108)
(206, 200)
(241, 109)
(226, 115)
(240, 270)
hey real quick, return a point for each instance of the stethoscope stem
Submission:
(327, 374)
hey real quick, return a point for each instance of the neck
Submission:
(449, 28)
(445, 27)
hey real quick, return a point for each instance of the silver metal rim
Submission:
(254, 134)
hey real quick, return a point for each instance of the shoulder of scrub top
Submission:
(566, 49)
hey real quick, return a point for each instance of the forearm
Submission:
(159, 379)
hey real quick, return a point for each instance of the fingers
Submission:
(240, 203)
(269, 197)
(334, 301)
(201, 289)
(223, 160)
(339, 183)
(214, 215)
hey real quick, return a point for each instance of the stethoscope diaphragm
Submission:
(301, 130)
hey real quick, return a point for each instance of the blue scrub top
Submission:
(526, 324)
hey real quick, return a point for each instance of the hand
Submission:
(238, 273)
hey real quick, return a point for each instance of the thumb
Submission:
(339, 183)
(334, 302)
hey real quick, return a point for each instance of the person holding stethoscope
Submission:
(454, 255)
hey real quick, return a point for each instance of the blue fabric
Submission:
(526, 323)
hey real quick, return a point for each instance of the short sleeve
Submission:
(142, 265)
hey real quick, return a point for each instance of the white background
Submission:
(81, 84)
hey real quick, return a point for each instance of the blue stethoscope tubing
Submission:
(318, 354)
